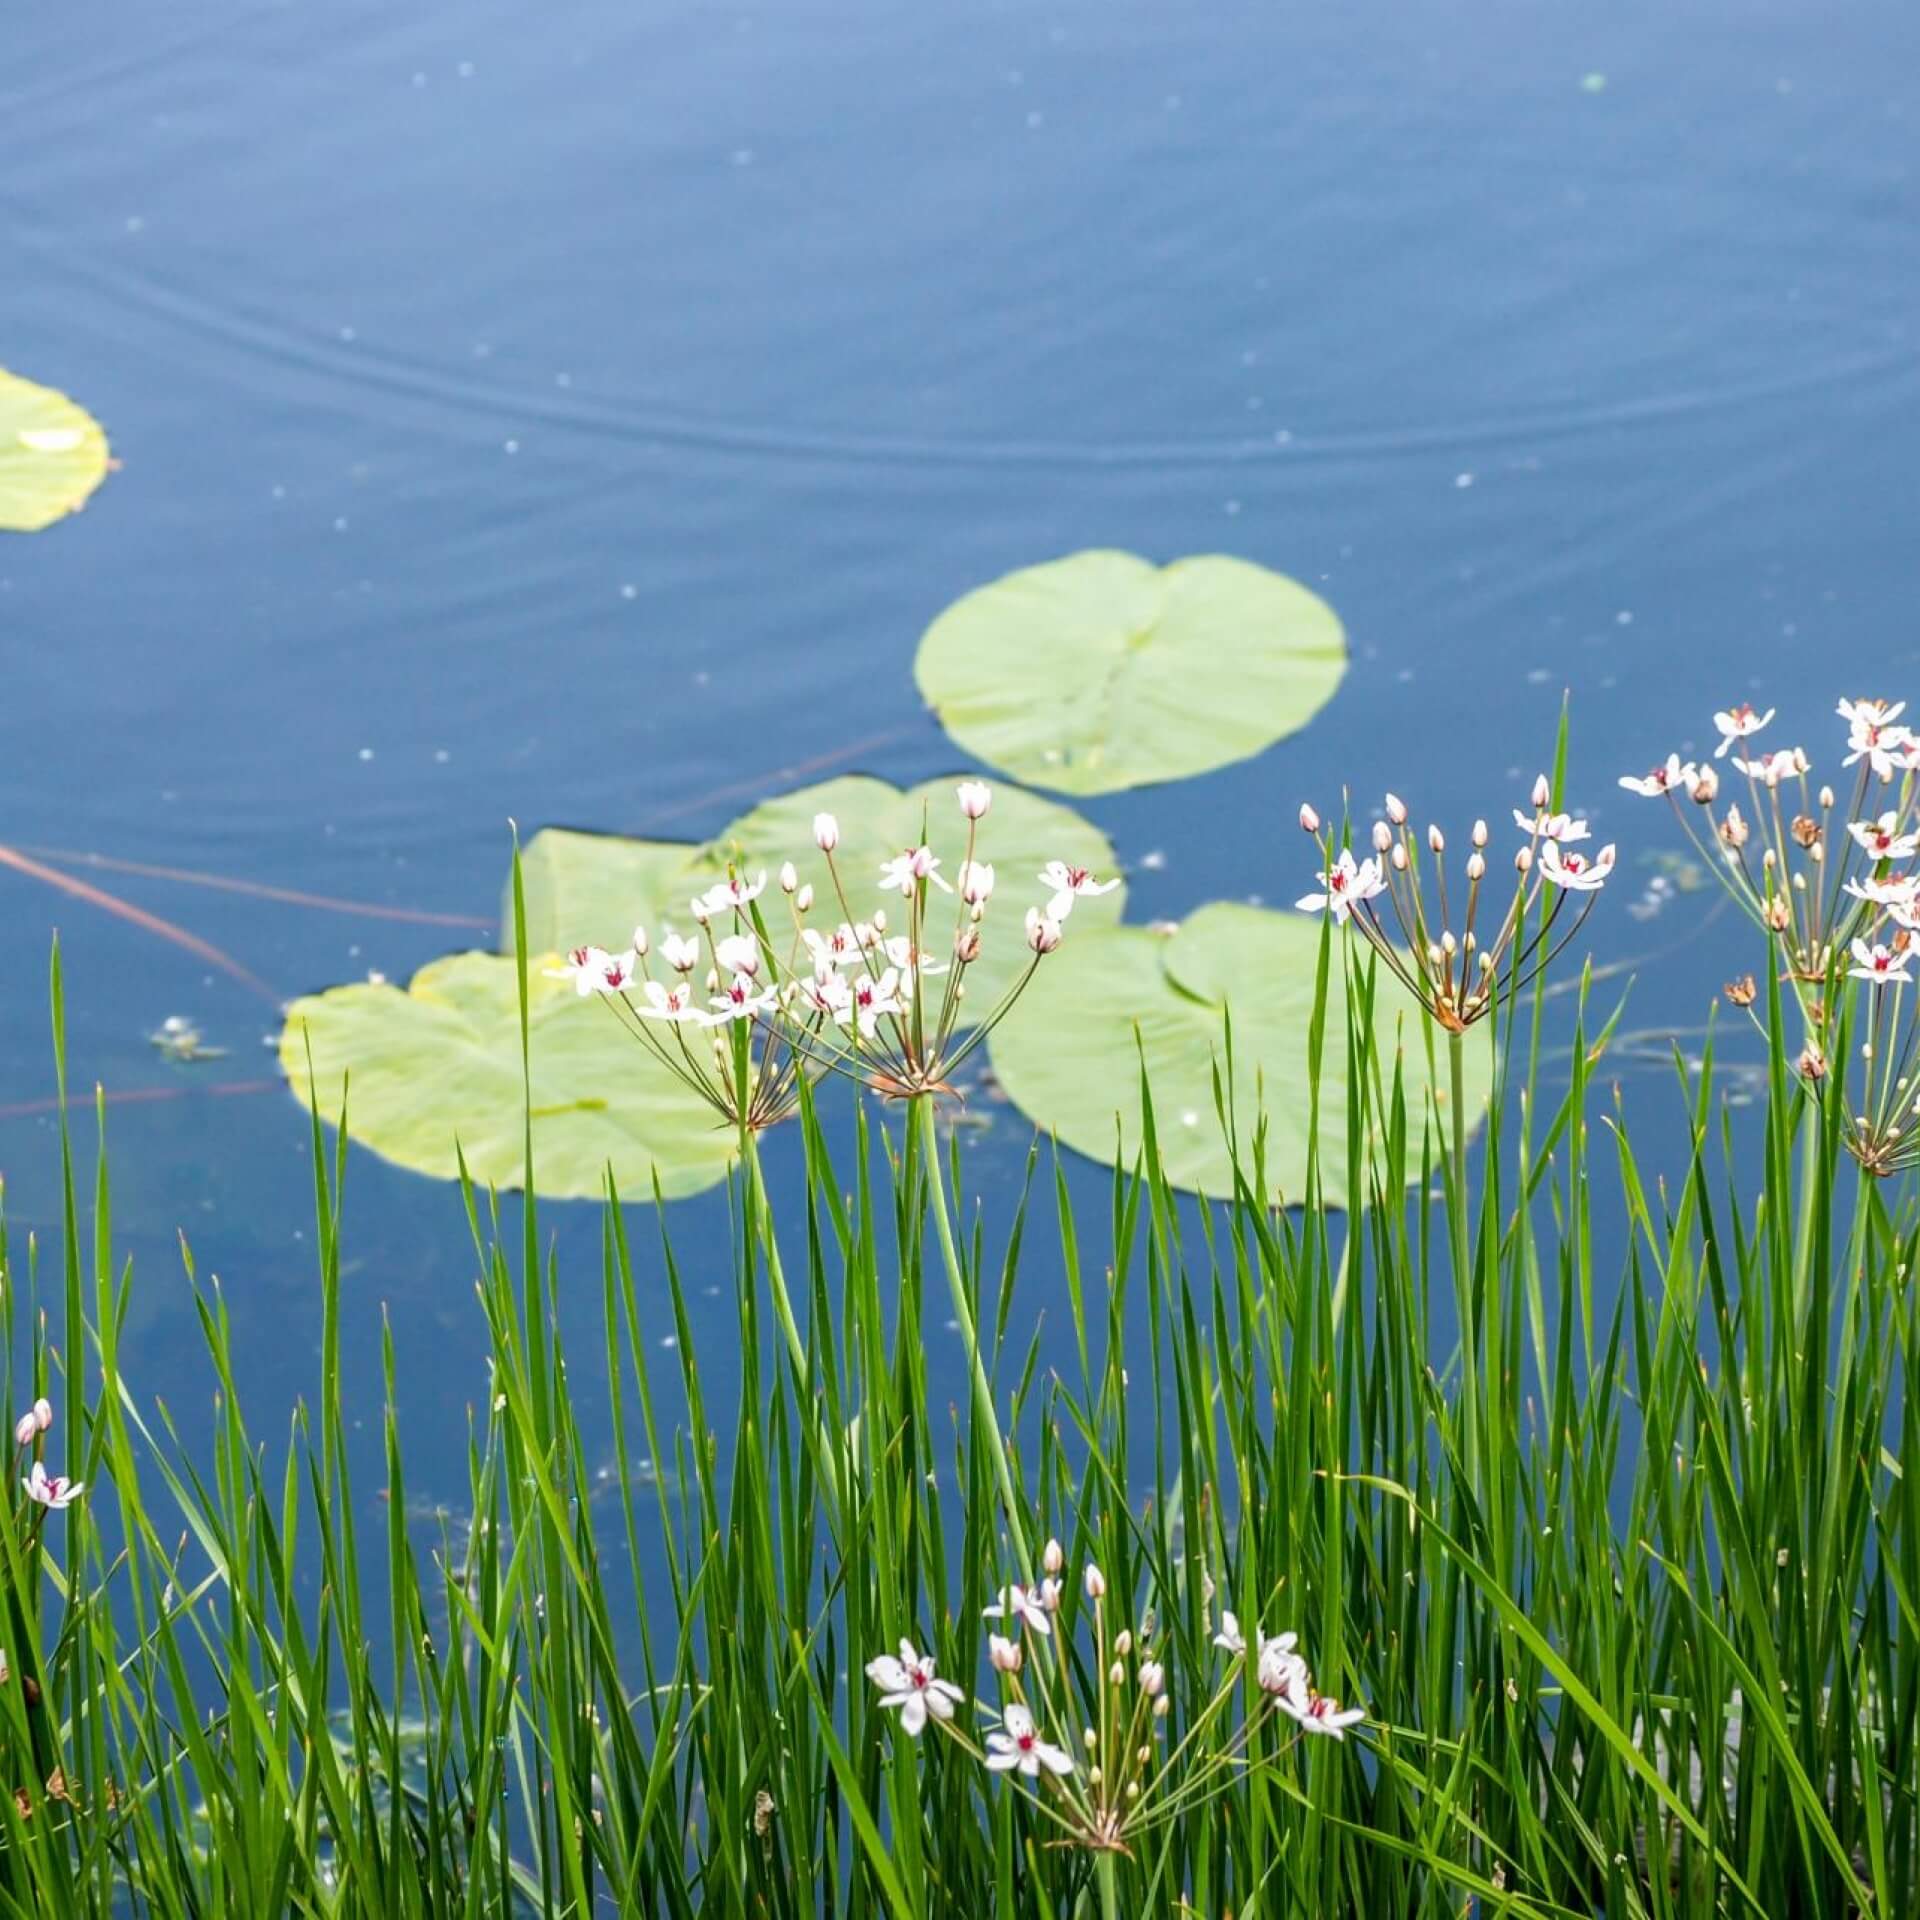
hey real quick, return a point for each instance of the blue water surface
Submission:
(574, 414)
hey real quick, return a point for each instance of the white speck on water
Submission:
(135, 223)
(1254, 403)
(1404, 676)
(1151, 862)
(703, 678)
(353, 953)
(366, 753)
(1624, 618)
(742, 156)
(512, 446)
(419, 79)
(563, 379)
(1036, 119)
(340, 525)
(441, 755)
(482, 350)
(1015, 77)
(1539, 676)
(1173, 103)
(1282, 437)
(1250, 357)
(669, 1340)
(1593, 83)
(278, 492)
(1231, 507)
(1463, 481)
(347, 333)
(465, 69)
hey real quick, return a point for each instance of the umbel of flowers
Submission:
(1104, 1770)
(1829, 877)
(877, 991)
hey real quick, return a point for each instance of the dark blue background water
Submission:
(576, 413)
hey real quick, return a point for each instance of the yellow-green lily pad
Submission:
(53, 453)
(1102, 671)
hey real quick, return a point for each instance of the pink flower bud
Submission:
(789, 878)
(1004, 1654)
(43, 1414)
(1542, 793)
(1096, 1583)
(1399, 856)
(1479, 833)
(1436, 840)
(803, 900)
(1476, 866)
(1309, 820)
(975, 798)
(1053, 1558)
(1043, 931)
(1382, 836)
(25, 1430)
(826, 832)
(1396, 810)
(1523, 860)
(640, 941)
(1153, 1678)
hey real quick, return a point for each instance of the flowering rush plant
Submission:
(875, 992)
(1108, 1770)
(1831, 882)
(46, 1492)
(1462, 952)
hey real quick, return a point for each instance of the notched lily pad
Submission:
(53, 453)
(1068, 1056)
(1102, 671)
(594, 888)
(438, 1063)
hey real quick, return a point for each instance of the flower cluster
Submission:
(1104, 1768)
(1832, 886)
(877, 995)
(1462, 953)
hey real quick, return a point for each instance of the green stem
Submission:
(1462, 1257)
(1109, 1886)
(983, 1409)
(762, 1223)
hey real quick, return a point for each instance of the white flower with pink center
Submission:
(1881, 965)
(1673, 774)
(674, 1003)
(1070, 883)
(1318, 1713)
(904, 872)
(1344, 886)
(1575, 872)
(1016, 1746)
(1738, 723)
(909, 1685)
(741, 1000)
(51, 1490)
(1883, 839)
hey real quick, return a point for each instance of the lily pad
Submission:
(52, 455)
(438, 1065)
(1067, 1055)
(1102, 671)
(597, 888)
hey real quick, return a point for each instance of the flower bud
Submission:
(1096, 1583)
(640, 941)
(803, 900)
(1706, 787)
(1826, 799)
(1396, 810)
(1382, 836)
(43, 1414)
(1479, 833)
(789, 878)
(879, 920)
(1043, 931)
(1005, 1654)
(826, 832)
(1123, 1643)
(1117, 1674)
(1090, 1740)
(1734, 829)
(975, 798)
(1542, 793)
(25, 1430)
(1053, 1557)
(1309, 820)
(1476, 866)
(1399, 856)
(1162, 1707)
(967, 948)
(1436, 840)
(1153, 1678)
(1523, 860)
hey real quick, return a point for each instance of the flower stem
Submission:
(1109, 1886)
(1462, 1257)
(983, 1409)
(762, 1220)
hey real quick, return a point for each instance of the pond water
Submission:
(575, 415)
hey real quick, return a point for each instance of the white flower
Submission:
(1023, 1606)
(51, 1490)
(1005, 1655)
(739, 1001)
(1044, 932)
(1344, 885)
(840, 948)
(1883, 839)
(1737, 724)
(1016, 1744)
(1574, 871)
(739, 953)
(1152, 1677)
(1895, 893)
(1562, 827)
(975, 798)
(909, 1684)
(976, 882)
(1772, 768)
(668, 1003)
(826, 832)
(1070, 884)
(1674, 772)
(826, 991)
(732, 893)
(595, 970)
(1050, 1593)
(1230, 1639)
(1870, 713)
(1319, 1714)
(868, 1000)
(1282, 1672)
(909, 960)
(905, 871)
(1880, 965)
(682, 955)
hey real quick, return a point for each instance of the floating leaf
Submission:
(1018, 837)
(597, 887)
(439, 1064)
(1068, 1057)
(52, 455)
(1103, 671)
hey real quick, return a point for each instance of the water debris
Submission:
(179, 1039)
